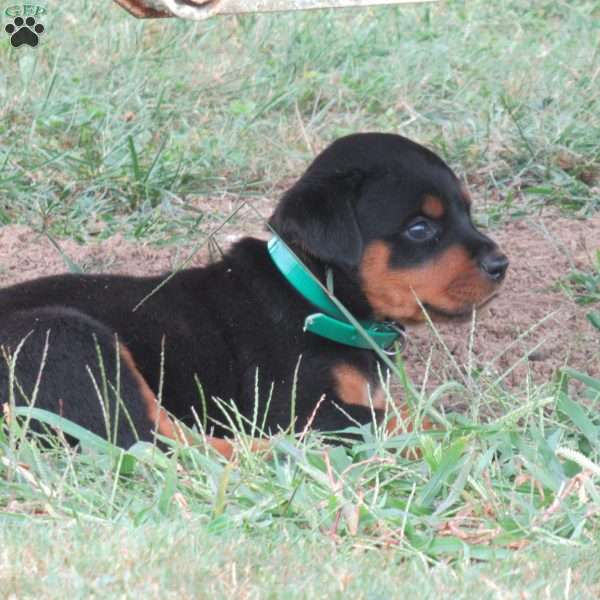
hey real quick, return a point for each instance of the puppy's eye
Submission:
(420, 230)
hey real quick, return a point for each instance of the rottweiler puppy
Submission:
(378, 217)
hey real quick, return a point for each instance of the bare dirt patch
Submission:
(532, 327)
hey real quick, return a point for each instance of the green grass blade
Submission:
(450, 462)
(577, 415)
(85, 437)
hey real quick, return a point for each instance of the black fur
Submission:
(57, 343)
(237, 321)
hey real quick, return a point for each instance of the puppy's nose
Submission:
(494, 264)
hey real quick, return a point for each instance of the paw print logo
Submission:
(24, 32)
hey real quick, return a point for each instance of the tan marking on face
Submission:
(353, 388)
(450, 282)
(466, 195)
(432, 207)
(155, 413)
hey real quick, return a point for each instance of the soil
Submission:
(532, 328)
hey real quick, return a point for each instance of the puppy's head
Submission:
(393, 217)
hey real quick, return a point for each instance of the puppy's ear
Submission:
(317, 215)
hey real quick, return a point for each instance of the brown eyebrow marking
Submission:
(432, 207)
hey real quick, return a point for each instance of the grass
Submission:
(182, 559)
(481, 502)
(583, 286)
(114, 125)
(158, 114)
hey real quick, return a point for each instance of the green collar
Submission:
(330, 323)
